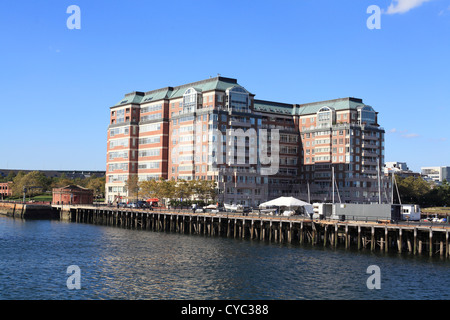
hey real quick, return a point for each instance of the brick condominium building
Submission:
(172, 133)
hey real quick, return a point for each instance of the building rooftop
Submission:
(72, 187)
(222, 84)
(217, 83)
(270, 106)
(336, 104)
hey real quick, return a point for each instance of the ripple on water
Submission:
(117, 263)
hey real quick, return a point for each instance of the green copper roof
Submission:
(274, 107)
(222, 84)
(337, 104)
(217, 83)
(156, 95)
(134, 97)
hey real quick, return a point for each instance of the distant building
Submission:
(5, 189)
(395, 166)
(399, 168)
(70, 174)
(72, 194)
(436, 174)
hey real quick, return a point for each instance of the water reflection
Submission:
(128, 264)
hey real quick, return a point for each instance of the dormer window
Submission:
(366, 115)
(191, 99)
(325, 117)
(238, 99)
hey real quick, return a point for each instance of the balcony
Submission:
(369, 144)
(369, 170)
(370, 137)
(238, 123)
(281, 128)
(369, 153)
(369, 162)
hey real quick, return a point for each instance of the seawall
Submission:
(28, 211)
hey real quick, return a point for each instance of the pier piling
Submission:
(383, 237)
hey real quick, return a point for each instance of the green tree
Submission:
(61, 181)
(35, 182)
(167, 188)
(413, 190)
(10, 177)
(149, 188)
(161, 189)
(442, 193)
(132, 186)
(204, 189)
(97, 185)
(183, 190)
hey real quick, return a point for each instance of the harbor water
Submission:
(117, 263)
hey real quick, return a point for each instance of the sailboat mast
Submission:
(398, 194)
(392, 186)
(309, 194)
(379, 181)
(332, 177)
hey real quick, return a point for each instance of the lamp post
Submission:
(24, 193)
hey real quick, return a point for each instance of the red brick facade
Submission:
(5, 189)
(73, 195)
(168, 133)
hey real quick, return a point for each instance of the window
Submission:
(191, 99)
(151, 117)
(150, 140)
(366, 115)
(118, 166)
(150, 127)
(238, 99)
(185, 119)
(325, 117)
(116, 131)
(156, 107)
(118, 143)
(149, 165)
(121, 116)
(149, 153)
(118, 154)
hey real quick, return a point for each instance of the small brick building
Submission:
(72, 194)
(5, 189)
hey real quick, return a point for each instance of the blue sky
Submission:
(57, 84)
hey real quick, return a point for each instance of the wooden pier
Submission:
(383, 237)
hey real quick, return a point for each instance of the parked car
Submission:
(142, 204)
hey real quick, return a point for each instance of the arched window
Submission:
(367, 115)
(191, 98)
(238, 99)
(325, 117)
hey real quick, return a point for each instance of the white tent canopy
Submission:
(289, 202)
